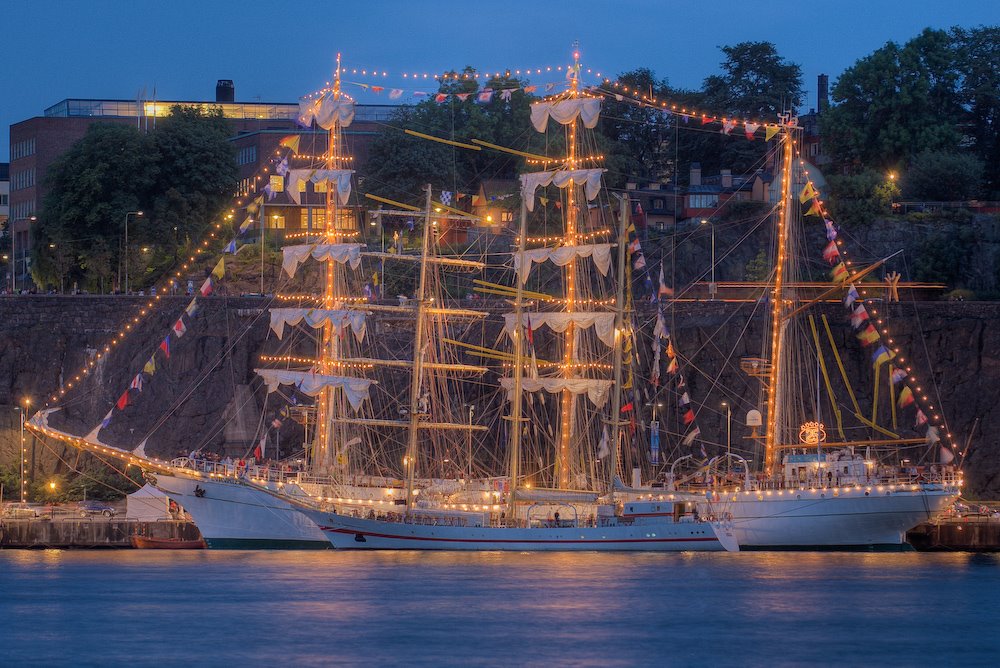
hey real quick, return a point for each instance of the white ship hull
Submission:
(847, 518)
(235, 516)
(355, 533)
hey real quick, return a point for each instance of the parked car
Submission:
(22, 511)
(88, 508)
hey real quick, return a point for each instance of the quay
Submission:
(70, 533)
(976, 532)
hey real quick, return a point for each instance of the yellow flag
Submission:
(814, 209)
(150, 367)
(808, 192)
(292, 142)
(770, 131)
(220, 269)
(246, 224)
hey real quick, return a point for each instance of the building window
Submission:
(276, 221)
(318, 219)
(657, 204)
(506, 216)
(703, 201)
(247, 155)
(22, 179)
(4, 199)
(22, 149)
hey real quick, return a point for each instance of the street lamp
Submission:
(729, 432)
(24, 458)
(712, 287)
(130, 213)
(472, 410)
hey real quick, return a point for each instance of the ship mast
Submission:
(515, 409)
(616, 396)
(778, 320)
(416, 414)
(329, 341)
(569, 239)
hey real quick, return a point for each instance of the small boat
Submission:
(151, 543)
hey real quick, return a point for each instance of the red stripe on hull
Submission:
(513, 540)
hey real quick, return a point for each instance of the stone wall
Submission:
(45, 340)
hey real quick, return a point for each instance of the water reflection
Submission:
(317, 608)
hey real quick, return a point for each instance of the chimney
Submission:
(695, 175)
(225, 91)
(823, 92)
(726, 177)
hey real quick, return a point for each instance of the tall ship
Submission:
(849, 483)
(554, 490)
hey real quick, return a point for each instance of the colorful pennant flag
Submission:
(689, 416)
(179, 328)
(770, 131)
(905, 397)
(831, 253)
(808, 192)
(107, 419)
(192, 308)
(691, 435)
(814, 210)
(750, 129)
(664, 291)
(122, 401)
(136, 383)
(150, 366)
(921, 419)
(859, 316)
(165, 346)
(868, 335)
(395, 93)
(230, 247)
(840, 273)
(851, 296)
(881, 356)
(291, 142)
(220, 268)
(207, 287)
(486, 95)
(898, 375)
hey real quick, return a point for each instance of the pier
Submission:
(969, 533)
(70, 533)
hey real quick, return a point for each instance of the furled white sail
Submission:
(355, 389)
(566, 111)
(343, 253)
(589, 178)
(327, 110)
(319, 317)
(595, 389)
(337, 179)
(603, 323)
(562, 256)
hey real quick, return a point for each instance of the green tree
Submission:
(755, 83)
(858, 199)
(895, 103)
(400, 164)
(180, 175)
(942, 176)
(639, 137)
(978, 53)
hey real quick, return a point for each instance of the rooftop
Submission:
(77, 107)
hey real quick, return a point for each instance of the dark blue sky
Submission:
(276, 51)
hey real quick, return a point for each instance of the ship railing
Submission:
(235, 471)
(901, 478)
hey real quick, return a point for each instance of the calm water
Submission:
(304, 608)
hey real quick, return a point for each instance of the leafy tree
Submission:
(978, 54)
(180, 175)
(942, 176)
(640, 137)
(895, 103)
(400, 164)
(858, 199)
(756, 83)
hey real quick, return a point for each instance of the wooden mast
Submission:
(329, 339)
(416, 414)
(569, 239)
(778, 322)
(616, 396)
(515, 408)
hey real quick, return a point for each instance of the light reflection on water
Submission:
(142, 607)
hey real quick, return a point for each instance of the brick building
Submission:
(258, 127)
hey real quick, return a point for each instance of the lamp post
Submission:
(24, 458)
(729, 432)
(130, 213)
(712, 287)
(472, 410)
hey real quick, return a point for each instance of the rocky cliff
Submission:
(45, 340)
